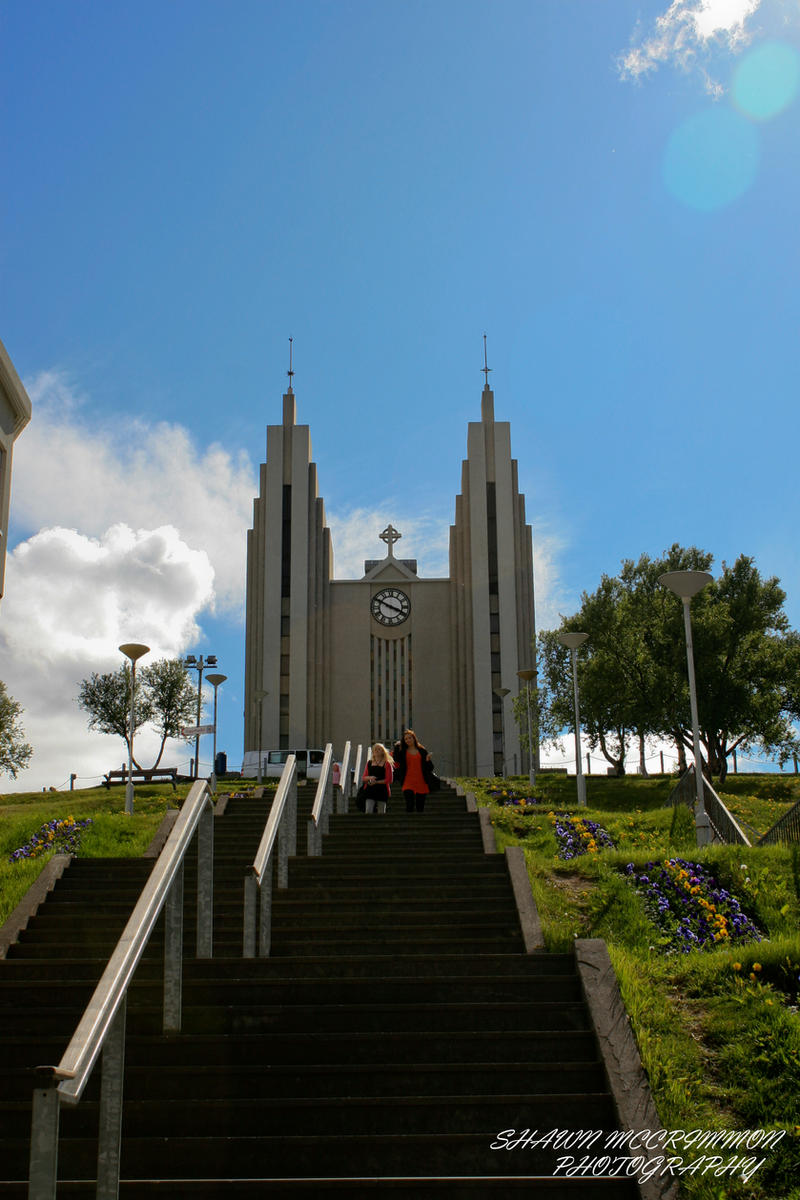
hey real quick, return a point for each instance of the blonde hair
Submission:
(386, 755)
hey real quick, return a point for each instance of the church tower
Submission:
(492, 624)
(329, 660)
(289, 569)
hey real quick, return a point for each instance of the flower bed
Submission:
(62, 835)
(689, 907)
(579, 835)
(508, 797)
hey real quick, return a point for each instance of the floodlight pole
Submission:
(215, 680)
(132, 651)
(686, 584)
(572, 641)
(528, 675)
(197, 664)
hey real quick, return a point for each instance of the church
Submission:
(332, 660)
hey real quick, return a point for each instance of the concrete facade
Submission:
(363, 659)
(15, 412)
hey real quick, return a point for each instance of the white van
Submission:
(309, 763)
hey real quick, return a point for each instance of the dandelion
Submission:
(756, 966)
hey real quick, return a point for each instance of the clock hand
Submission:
(391, 607)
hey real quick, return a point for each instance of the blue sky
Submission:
(609, 191)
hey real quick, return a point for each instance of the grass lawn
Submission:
(718, 1027)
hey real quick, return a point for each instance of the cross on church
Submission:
(390, 536)
(485, 368)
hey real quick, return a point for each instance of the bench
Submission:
(159, 775)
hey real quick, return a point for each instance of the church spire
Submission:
(487, 399)
(290, 372)
(289, 402)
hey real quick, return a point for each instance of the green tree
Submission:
(165, 697)
(632, 670)
(14, 752)
(173, 698)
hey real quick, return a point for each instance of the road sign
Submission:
(190, 731)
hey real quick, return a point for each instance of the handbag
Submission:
(361, 798)
(433, 781)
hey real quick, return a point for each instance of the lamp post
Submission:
(197, 664)
(132, 651)
(215, 680)
(686, 584)
(572, 641)
(260, 696)
(528, 674)
(502, 693)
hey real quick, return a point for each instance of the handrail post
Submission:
(109, 1137)
(265, 912)
(327, 796)
(291, 816)
(342, 800)
(359, 766)
(205, 883)
(173, 954)
(43, 1170)
(283, 852)
(250, 904)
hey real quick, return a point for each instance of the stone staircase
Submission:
(397, 1028)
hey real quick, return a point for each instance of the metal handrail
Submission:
(323, 802)
(724, 825)
(281, 825)
(343, 798)
(102, 1026)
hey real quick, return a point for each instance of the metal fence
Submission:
(787, 829)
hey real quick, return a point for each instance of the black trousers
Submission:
(415, 800)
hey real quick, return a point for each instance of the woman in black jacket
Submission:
(414, 769)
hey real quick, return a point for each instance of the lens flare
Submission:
(711, 159)
(766, 81)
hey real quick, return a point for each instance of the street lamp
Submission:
(133, 651)
(686, 584)
(197, 664)
(528, 675)
(260, 696)
(215, 680)
(502, 693)
(572, 641)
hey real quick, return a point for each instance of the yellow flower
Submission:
(756, 966)
(736, 966)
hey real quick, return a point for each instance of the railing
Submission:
(345, 783)
(724, 825)
(102, 1027)
(786, 829)
(323, 804)
(281, 826)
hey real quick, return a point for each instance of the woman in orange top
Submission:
(414, 766)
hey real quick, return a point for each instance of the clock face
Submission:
(390, 606)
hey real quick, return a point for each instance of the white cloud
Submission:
(93, 474)
(137, 533)
(686, 31)
(70, 601)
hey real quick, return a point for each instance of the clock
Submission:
(390, 606)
